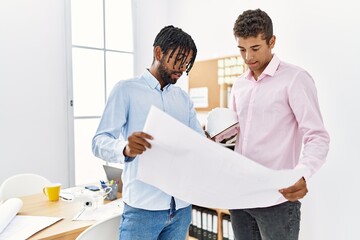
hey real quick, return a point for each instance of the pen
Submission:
(62, 197)
(103, 184)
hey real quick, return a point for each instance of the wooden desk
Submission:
(65, 229)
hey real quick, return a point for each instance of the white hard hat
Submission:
(219, 120)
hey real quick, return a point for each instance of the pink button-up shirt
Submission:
(278, 117)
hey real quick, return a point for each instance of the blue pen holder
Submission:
(112, 195)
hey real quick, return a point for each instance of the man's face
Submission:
(171, 72)
(256, 52)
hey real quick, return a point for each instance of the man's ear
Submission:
(158, 53)
(272, 41)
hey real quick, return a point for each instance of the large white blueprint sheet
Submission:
(190, 167)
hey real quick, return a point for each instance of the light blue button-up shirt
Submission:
(125, 112)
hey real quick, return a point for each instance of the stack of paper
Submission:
(8, 211)
(10, 223)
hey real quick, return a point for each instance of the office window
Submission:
(102, 54)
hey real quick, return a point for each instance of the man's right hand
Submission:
(137, 144)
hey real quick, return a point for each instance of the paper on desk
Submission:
(190, 167)
(14, 227)
(101, 212)
(8, 211)
(23, 227)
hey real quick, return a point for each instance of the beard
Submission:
(165, 73)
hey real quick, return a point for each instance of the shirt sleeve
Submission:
(193, 120)
(304, 103)
(109, 140)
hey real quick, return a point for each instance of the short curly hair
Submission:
(251, 23)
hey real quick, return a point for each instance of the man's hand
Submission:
(296, 191)
(137, 144)
(208, 136)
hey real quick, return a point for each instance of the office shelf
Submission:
(216, 76)
(200, 230)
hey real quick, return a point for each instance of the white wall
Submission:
(320, 36)
(33, 90)
(149, 17)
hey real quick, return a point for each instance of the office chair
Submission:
(107, 229)
(21, 185)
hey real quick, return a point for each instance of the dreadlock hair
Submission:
(171, 38)
(251, 23)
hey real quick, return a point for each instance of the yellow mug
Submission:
(52, 191)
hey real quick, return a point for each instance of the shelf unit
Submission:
(228, 70)
(221, 214)
(216, 76)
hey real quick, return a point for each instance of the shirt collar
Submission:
(152, 81)
(268, 71)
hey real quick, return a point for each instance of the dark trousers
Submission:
(279, 222)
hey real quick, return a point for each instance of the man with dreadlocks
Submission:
(149, 213)
(278, 113)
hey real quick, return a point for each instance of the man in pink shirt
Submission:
(279, 115)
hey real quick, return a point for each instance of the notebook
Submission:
(114, 173)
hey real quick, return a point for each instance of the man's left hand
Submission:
(296, 191)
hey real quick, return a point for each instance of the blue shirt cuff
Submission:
(129, 159)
